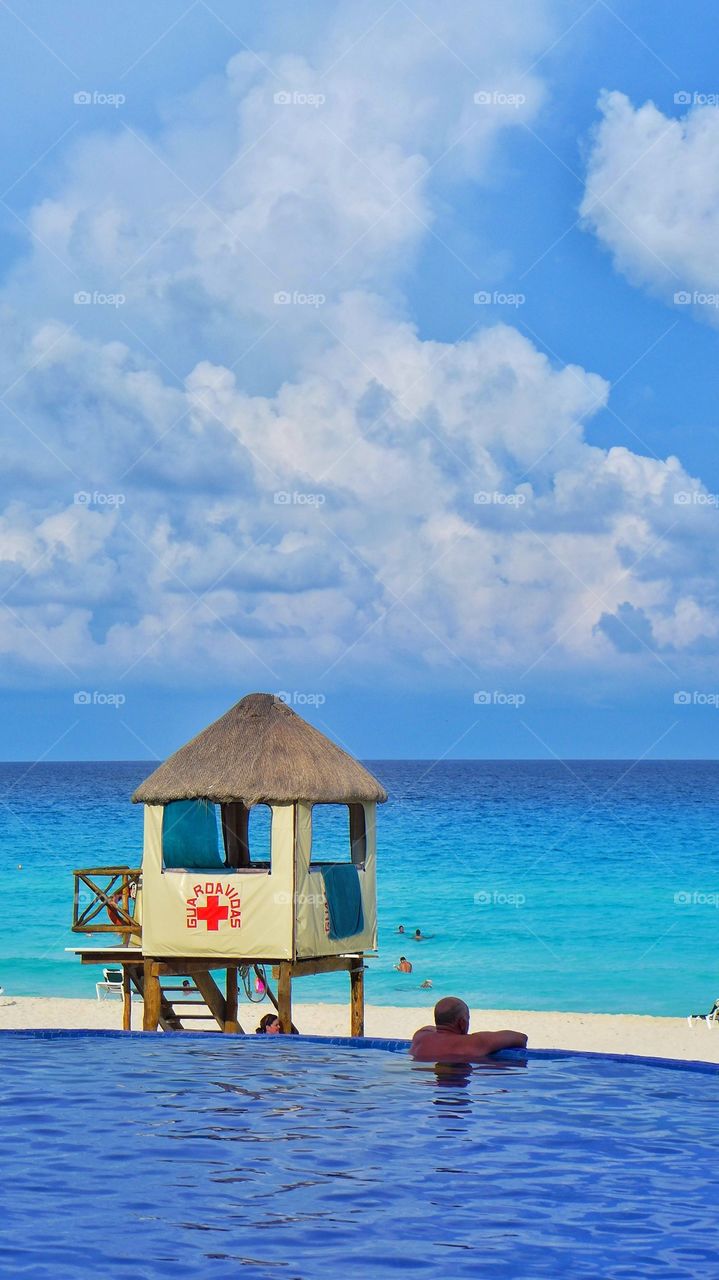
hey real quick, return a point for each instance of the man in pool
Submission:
(449, 1039)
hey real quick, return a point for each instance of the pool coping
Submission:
(360, 1042)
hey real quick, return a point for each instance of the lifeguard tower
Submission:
(235, 874)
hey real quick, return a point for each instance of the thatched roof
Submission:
(260, 751)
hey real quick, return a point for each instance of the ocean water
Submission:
(588, 886)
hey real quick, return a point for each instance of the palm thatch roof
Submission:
(260, 751)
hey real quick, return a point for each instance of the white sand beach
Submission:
(601, 1032)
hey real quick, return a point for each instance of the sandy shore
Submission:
(608, 1033)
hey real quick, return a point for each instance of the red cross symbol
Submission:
(213, 912)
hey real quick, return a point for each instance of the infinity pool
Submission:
(134, 1157)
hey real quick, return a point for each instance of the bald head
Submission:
(451, 1014)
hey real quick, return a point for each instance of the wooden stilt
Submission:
(231, 1023)
(152, 996)
(126, 1000)
(284, 997)
(357, 999)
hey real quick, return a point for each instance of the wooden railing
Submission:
(106, 907)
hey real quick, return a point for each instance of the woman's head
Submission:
(269, 1025)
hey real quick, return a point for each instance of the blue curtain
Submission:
(189, 836)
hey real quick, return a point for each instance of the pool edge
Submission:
(368, 1042)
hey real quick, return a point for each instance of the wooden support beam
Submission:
(126, 1000)
(152, 994)
(231, 1023)
(212, 996)
(273, 1000)
(327, 964)
(284, 998)
(357, 1000)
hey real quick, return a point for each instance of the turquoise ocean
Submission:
(590, 885)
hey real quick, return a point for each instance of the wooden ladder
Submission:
(188, 996)
(197, 993)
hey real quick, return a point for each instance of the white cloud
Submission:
(383, 501)
(652, 198)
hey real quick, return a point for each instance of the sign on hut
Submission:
(241, 869)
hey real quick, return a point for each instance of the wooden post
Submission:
(231, 1023)
(284, 998)
(126, 1000)
(357, 999)
(152, 996)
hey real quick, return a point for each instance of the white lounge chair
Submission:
(111, 984)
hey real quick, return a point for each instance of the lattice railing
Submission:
(105, 900)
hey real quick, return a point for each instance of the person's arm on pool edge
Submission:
(485, 1042)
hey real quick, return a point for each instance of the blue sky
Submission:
(307, 458)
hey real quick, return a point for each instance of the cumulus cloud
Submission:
(201, 480)
(652, 198)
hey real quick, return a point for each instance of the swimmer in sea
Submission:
(404, 965)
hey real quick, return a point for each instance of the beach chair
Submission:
(711, 1019)
(111, 984)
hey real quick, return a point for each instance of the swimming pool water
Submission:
(136, 1157)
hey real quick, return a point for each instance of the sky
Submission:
(366, 356)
